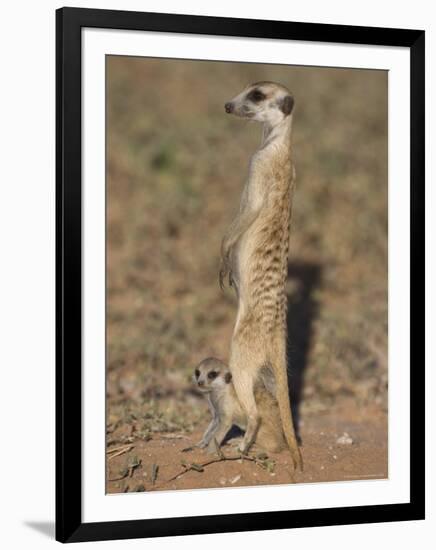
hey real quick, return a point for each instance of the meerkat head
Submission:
(211, 375)
(262, 101)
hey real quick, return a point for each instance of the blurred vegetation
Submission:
(175, 169)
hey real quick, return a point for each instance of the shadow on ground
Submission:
(303, 309)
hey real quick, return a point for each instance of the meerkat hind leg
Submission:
(244, 387)
(208, 434)
(219, 435)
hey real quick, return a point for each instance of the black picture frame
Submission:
(69, 22)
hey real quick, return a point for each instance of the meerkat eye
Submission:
(212, 375)
(256, 96)
(197, 373)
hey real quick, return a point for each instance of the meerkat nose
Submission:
(201, 383)
(228, 107)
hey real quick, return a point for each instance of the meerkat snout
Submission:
(228, 107)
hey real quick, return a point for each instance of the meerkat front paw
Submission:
(225, 272)
(226, 264)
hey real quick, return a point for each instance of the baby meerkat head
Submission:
(262, 101)
(211, 374)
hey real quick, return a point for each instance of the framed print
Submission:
(240, 274)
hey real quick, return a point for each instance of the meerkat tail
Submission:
(282, 395)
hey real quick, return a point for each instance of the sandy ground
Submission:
(157, 462)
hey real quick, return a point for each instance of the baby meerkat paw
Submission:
(199, 445)
(211, 448)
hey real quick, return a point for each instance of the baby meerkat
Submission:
(214, 379)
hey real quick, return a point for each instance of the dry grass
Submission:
(176, 164)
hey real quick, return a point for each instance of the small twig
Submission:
(133, 463)
(114, 449)
(173, 437)
(154, 472)
(121, 452)
(119, 478)
(201, 466)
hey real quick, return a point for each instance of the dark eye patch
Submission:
(256, 96)
(197, 373)
(212, 375)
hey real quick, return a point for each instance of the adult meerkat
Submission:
(214, 379)
(254, 255)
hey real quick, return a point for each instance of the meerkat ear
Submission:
(227, 377)
(287, 104)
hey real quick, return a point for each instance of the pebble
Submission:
(344, 439)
